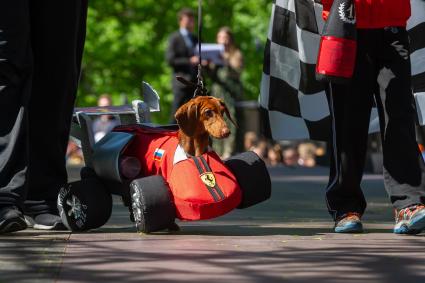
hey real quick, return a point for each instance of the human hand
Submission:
(205, 63)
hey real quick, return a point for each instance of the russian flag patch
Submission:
(157, 155)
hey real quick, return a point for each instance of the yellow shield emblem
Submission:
(208, 179)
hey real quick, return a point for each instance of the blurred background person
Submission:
(250, 140)
(226, 84)
(104, 123)
(74, 154)
(260, 148)
(307, 154)
(180, 56)
(275, 155)
(290, 157)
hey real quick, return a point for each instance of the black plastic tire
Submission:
(253, 177)
(153, 209)
(84, 205)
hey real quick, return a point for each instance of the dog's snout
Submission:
(225, 132)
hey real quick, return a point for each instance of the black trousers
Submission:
(382, 74)
(41, 45)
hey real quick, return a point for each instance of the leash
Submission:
(200, 89)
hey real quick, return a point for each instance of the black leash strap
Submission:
(200, 89)
(199, 34)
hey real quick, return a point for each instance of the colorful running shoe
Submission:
(349, 223)
(410, 220)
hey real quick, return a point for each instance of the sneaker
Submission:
(410, 220)
(42, 215)
(11, 220)
(349, 223)
(45, 221)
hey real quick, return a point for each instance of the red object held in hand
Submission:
(338, 46)
(337, 57)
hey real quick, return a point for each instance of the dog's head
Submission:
(204, 114)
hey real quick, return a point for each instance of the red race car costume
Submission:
(201, 187)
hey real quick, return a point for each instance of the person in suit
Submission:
(180, 56)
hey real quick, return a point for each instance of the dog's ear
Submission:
(187, 118)
(226, 110)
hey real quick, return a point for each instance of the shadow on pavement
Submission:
(286, 239)
(238, 230)
(173, 260)
(30, 257)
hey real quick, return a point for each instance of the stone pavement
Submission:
(286, 239)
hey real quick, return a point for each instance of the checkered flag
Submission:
(294, 104)
(416, 28)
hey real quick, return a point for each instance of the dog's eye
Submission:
(209, 113)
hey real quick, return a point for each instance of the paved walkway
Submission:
(286, 239)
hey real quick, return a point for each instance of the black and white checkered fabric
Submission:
(416, 28)
(295, 103)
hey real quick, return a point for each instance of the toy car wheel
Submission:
(84, 204)
(253, 177)
(153, 209)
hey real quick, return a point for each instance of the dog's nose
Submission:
(225, 132)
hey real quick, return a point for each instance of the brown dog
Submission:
(200, 118)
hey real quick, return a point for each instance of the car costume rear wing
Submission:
(138, 112)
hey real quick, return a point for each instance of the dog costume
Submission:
(202, 187)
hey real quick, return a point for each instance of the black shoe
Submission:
(11, 220)
(42, 215)
(45, 221)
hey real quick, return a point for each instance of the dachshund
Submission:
(200, 118)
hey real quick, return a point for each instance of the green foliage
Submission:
(126, 42)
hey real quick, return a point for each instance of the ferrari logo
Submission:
(208, 179)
